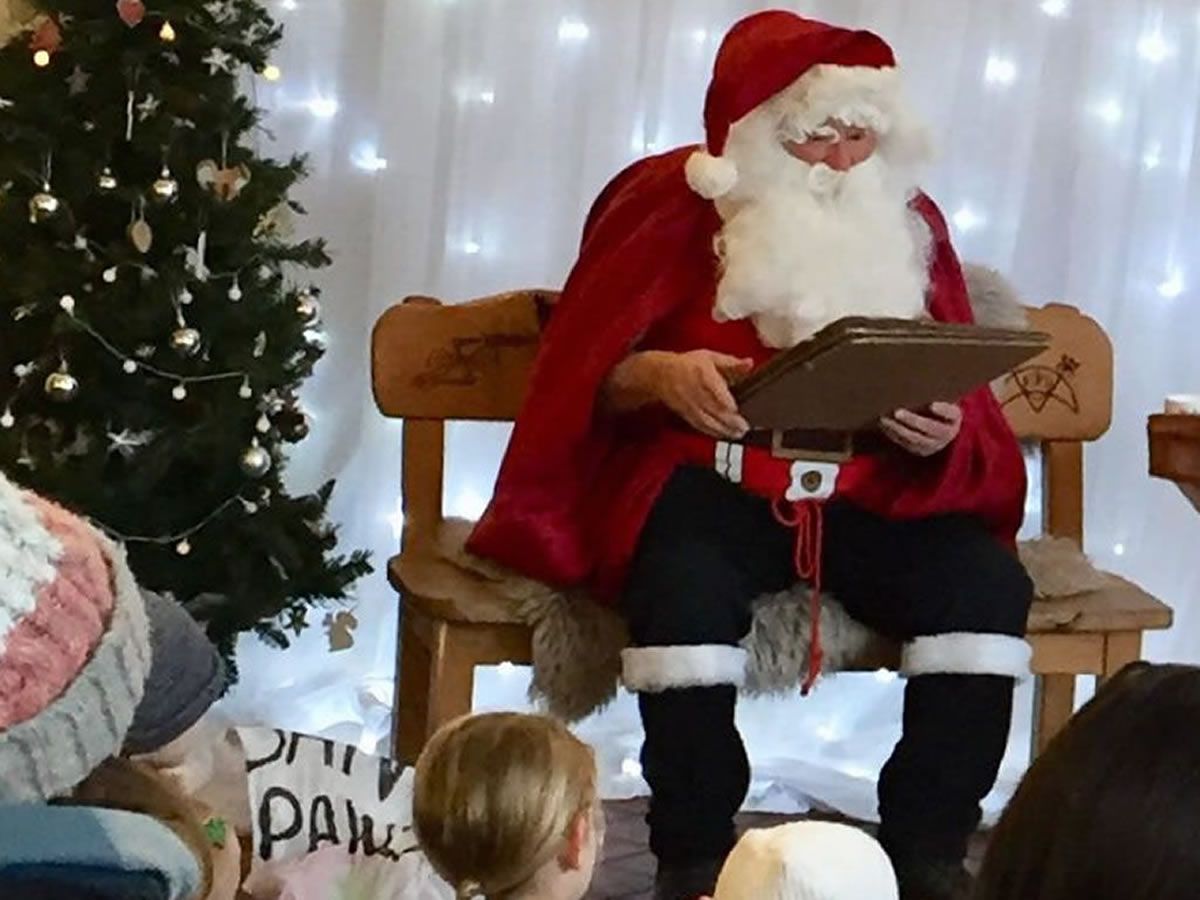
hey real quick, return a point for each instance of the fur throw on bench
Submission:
(577, 643)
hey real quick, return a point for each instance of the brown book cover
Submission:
(857, 370)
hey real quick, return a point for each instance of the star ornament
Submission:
(148, 107)
(78, 80)
(221, 10)
(5, 103)
(127, 442)
(218, 61)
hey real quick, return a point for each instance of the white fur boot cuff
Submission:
(966, 654)
(652, 670)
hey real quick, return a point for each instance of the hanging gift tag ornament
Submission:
(235, 291)
(132, 12)
(255, 461)
(185, 341)
(107, 182)
(166, 188)
(141, 236)
(61, 386)
(140, 233)
(43, 206)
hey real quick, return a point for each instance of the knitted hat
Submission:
(834, 72)
(186, 677)
(88, 662)
(807, 861)
(74, 648)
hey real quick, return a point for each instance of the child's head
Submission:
(807, 861)
(1111, 809)
(505, 805)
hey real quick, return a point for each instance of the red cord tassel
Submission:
(807, 517)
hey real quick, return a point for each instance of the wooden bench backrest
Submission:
(432, 363)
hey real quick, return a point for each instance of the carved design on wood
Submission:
(1041, 385)
(467, 360)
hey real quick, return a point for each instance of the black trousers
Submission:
(709, 549)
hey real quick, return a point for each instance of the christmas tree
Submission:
(154, 324)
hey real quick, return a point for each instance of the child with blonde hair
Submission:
(505, 807)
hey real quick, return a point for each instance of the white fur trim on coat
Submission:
(652, 670)
(710, 176)
(964, 653)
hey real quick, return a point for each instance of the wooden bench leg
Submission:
(1053, 706)
(1120, 649)
(452, 675)
(413, 676)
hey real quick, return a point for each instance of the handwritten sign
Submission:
(307, 793)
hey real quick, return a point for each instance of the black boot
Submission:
(927, 880)
(686, 881)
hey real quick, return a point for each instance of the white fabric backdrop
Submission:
(456, 145)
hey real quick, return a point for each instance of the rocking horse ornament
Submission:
(630, 473)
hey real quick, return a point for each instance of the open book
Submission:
(857, 370)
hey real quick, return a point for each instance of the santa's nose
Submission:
(839, 158)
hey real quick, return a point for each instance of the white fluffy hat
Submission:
(807, 861)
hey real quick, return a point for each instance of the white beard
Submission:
(803, 246)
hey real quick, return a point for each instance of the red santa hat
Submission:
(832, 72)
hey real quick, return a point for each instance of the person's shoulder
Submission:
(643, 182)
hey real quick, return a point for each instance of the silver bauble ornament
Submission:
(61, 387)
(166, 188)
(43, 206)
(107, 182)
(185, 341)
(255, 461)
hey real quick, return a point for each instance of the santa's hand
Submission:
(695, 386)
(924, 434)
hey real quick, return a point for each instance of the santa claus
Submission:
(631, 471)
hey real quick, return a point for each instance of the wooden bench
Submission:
(433, 363)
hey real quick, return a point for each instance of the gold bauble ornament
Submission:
(166, 188)
(308, 308)
(43, 206)
(61, 387)
(185, 341)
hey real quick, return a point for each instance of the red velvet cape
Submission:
(577, 485)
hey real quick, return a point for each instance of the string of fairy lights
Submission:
(53, 373)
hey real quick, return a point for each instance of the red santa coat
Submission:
(577, 484)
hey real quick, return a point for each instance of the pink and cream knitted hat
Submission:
(807, 861)
(74, 648)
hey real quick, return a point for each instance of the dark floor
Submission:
(627, 871)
